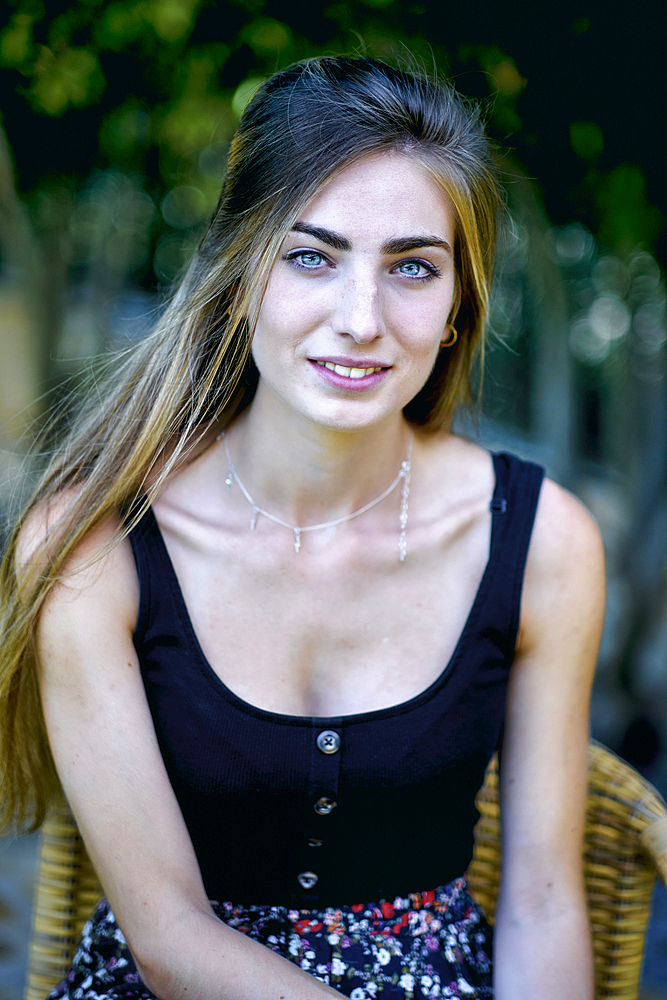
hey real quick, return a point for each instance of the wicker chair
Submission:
(625, 848)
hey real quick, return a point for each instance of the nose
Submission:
(359, 312)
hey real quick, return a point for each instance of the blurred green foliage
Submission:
(153, 89)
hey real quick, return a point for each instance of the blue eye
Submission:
(307, 260)
(418, 270)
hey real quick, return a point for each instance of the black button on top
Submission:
(328, 741)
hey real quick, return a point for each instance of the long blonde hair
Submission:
(305, 125)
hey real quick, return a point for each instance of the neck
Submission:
(309, 474)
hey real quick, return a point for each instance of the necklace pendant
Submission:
(297, 539)
(253, 521)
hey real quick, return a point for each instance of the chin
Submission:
(354, 423)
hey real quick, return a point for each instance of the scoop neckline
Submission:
(334, 721)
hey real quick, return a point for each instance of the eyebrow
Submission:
(331, 239)
(401, 244)
(406, 243)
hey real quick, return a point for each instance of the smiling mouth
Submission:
(348, 372)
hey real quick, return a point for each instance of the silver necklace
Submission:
(298, 529)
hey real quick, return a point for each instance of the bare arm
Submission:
(112, 772)
(542, 939)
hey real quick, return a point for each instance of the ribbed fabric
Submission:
(250, 782)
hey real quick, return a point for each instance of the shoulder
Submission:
(565, 574)
(38, 529)
(97, 579)
(564, 533)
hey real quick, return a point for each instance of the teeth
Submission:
(348, 372)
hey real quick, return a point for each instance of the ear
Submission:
(451, 339)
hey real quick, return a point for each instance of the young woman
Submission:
(279, 617)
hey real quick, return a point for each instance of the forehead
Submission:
(390, 193)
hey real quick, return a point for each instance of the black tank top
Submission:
(313, 812)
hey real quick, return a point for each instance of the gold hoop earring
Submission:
(451, 339)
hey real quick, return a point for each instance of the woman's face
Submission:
(358, 298)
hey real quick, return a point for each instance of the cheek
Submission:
(277, 338)
(266, 353)
(425, 315)
(270, 329)
(284, 336)
(263, 344)
(425, 329)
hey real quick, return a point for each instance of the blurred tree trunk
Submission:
(551, 367)
(30, 309)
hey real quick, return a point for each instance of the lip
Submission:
(336, 359)
(344, 382)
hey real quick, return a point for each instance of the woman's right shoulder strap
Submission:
(149, 553)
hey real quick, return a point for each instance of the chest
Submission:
(324, 633)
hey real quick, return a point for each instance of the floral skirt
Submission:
(430, 944)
